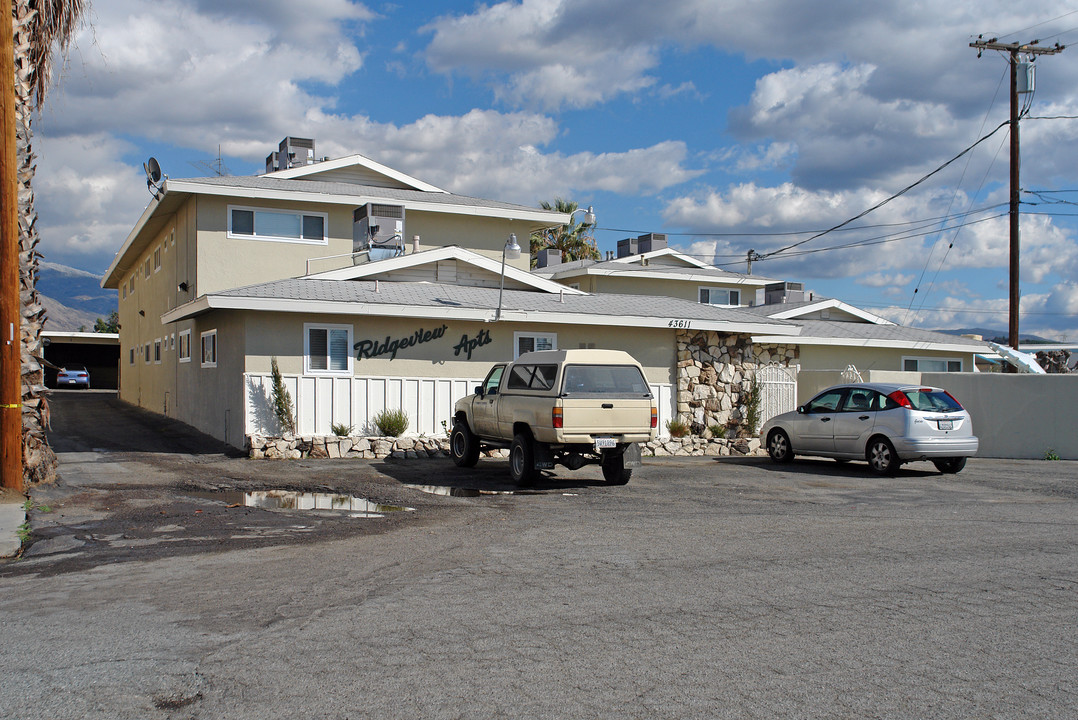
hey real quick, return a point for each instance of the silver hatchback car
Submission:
(883, 423)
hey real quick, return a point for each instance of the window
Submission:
(533, 342)
(532, 377)
(185, 346)
(172, 342)
(131, 357)
(125, 291)
(132, 290)
(146, 269)
(604, 380)
(157, 351)
(923, 364)
(277, 225)
(327, 349)
(720, 296)
(146, 352)
(209, 348)
(157, 259)
(827, 402)
(494, 378)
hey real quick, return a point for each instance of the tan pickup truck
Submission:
(567, 407)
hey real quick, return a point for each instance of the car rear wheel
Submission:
(950, 465)
(778, 446)
(614, 470)
(522, 460)
(881, 456)
(463, 445)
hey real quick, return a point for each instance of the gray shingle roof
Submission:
(320, 187)
(483, 298)
(604, 265)
(871, 331)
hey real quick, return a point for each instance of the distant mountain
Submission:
(1000, 336)
(74, 298)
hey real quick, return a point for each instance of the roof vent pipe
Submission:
(415, 243)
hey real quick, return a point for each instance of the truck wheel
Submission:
(463, 445)
(522, 460)
(614, 470)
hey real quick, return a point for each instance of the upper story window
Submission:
(209, 348)
(720, 296)
(157, 259)
(146, 269)
(277, 225)
(327, 349)
(524, 342)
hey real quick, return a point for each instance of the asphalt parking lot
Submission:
(705, 588)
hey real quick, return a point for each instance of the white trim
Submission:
(207, 303)
(803, 310)
(662, 252)
(184, 358)
(552, 337)
(545, 218)
(318, 168)
(448, 252)
(278, 238)
(202, 348)
(919, 358)
(307, 369)
(867, 342)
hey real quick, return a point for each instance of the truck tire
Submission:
(463, 445)
(614, 470)
(522, 460)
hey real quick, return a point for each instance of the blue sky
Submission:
(729, 126)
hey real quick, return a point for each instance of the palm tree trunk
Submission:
(39, 461)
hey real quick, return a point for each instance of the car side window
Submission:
(860, 400)
(826, 402)
(494, 377)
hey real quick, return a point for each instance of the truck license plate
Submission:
(605, 442)
(946, 424)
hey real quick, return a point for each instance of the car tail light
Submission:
(900, 397)
(654, 418)
(556, 418)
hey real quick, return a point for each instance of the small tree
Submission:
(752, 408)
(282, 400)
(111, 324)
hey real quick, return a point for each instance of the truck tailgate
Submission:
(606, 416)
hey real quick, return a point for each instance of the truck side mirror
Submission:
(479, 390)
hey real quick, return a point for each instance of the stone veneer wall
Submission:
(714, 376)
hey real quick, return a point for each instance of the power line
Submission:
(1040, 24)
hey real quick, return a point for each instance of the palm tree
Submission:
(40, 27)
(573, 240)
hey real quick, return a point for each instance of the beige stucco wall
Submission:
(828, 357)
(281, 334)
(685, 290)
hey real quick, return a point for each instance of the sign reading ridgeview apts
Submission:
(366, 349)
(467, 344)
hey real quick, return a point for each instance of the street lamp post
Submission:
(511, 251)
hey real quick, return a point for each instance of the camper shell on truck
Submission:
(567, 407)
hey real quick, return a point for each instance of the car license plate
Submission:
(946, 424)
(605, 442)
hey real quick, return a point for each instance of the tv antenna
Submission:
(212, 167)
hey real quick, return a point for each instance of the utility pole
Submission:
(10, 306)
(1030, 49)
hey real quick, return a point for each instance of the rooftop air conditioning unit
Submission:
(627, 247)
(547, 258)
(651, 241)
(784, 292)
(378, 227)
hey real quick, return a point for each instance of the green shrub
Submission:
(282, 400)
(1051, 454)
(752, 409)
(677, 428)
(340, 429)
(391, 423)
(717, 431)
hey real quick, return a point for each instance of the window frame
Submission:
(518, 336)
(729, 293)
(278, 238)
(307, 369)
(157, 259)
(185, 358)
(202, 348)
(157, 351)
(945, 360)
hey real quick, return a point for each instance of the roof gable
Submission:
(357, 170)
(460, 266)
(826, 309)
(663, 256)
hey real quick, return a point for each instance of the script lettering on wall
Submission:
(366, 349)
(467, 345)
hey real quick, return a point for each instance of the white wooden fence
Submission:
(320, 402)
(778, 390)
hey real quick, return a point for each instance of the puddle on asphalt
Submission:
(355, 507)
(447, 491)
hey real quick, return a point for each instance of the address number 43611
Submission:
(684, 324)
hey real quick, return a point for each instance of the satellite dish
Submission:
(153, 170)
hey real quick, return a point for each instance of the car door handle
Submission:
(863, 417)
(825, 419)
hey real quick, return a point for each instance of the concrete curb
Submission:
(12, 515)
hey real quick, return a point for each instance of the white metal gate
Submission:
(778, 390)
